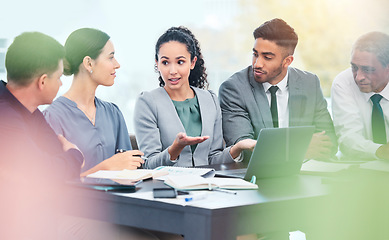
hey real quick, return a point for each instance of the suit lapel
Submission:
(260, 100)
(170, 110)
(297, 98)
(204, 98)
(205, 118)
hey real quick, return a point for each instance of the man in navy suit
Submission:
(245, 98)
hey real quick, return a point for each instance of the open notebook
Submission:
(159, 173)
(194, 182)
(279, 152)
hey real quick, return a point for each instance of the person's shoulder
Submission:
(11, 117)
(59, 105)
(152, 99)
(236, 81)
(204, 93)
(8, 111)
(344, 76)
(344, 83)
(200, 90)
(242, 75)
(156, 93)
(207, 98)
(109, 109)
(108, 106)
(305, 79)
(153, 92)
(60, 109)
(295, 72)
(100, 102)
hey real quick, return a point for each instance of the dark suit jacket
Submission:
(246, 111)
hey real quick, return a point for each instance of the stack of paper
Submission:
(204, 172)
(157, 173)
(134, 175)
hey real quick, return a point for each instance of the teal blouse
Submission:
(189, 113)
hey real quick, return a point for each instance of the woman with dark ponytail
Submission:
(179, 123)
(97, 127)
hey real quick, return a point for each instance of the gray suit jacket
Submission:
(246, 111)
(157, 124)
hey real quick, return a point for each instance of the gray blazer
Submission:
(246, 111)
(157, 124)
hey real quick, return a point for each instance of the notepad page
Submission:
(186, 181)
(324, 167)
(178, 171)
(104, 174)
(232, 183)
(124, 174)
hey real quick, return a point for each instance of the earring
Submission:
(91, 71)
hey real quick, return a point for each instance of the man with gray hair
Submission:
(360, 100)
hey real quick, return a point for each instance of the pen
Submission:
(224, 191)
(180, 192)
(120, 150)
(195, 197)
(123, 150)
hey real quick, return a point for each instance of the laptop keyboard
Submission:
(238, 173)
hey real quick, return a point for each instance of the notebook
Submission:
(195, 182)
(279, 152)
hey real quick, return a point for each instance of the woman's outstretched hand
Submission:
(181, 141)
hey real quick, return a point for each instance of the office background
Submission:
(224, 28)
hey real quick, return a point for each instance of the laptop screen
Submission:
(279, 152)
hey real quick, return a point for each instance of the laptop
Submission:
(279, 152)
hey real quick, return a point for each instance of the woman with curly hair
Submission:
(179, 123)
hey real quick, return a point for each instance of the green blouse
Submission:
(189, 113)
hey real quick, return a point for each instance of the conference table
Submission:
(279, 205)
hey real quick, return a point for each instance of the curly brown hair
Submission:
(198, 76)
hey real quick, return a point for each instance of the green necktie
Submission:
(273, 105)
(377, 120)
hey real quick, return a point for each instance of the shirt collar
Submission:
(282, 85)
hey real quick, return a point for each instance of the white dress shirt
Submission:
(282, 100)
(351, 110)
